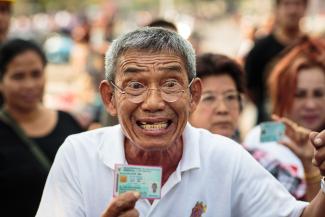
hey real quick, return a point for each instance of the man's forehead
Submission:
(150, 57)
(149, 53)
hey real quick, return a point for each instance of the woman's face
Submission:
(309, 102)
(23, 82)
(218, 110)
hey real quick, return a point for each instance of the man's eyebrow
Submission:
(176, 68)
(132, 69)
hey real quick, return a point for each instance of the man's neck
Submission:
(168, 159)
(286, 35)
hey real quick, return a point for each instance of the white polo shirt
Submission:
(215, 177)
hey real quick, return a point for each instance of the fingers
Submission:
(293, 130)
(319, 160)
(130, 213)
(123, 205)
(293, 147)
(318, 141)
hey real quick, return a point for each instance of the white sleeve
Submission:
(62, 196)
(257, 193)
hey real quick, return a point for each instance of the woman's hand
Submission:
(298, 141)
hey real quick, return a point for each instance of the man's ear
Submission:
(107, 93)
(195, 91)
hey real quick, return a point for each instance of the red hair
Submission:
(282, 82)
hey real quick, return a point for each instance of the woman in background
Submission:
(30, 133)
(297, 89)
(219, 110)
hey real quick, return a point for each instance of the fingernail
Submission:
(318, 141)
(136, 194)
(314, 162)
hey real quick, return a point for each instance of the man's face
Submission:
(290, 12)
(154, 123)
(5, 12)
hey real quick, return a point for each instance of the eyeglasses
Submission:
(136, 92)
(230, 99)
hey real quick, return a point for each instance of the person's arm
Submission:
(316, 208)
(300, 145)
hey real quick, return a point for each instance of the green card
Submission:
(272, 131)
(144, 179)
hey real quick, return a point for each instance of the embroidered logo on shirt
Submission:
(198, 209)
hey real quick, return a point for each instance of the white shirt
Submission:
(213, 170)
(278, 151)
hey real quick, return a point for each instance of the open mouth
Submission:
(154, 125)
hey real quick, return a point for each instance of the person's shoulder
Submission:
(68, 119)
(259, 48)
(63, 115)
(265, 40)
(213, 142)
(252, 138)
(92, 139)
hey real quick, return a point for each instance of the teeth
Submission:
(154, 126)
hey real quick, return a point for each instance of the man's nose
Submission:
(153, 100)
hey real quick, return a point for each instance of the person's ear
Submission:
(196, 92)
(107, 93)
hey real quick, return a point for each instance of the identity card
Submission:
(144, 179)
(272, 131)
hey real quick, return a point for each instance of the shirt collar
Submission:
(111, 148)
(191, 149)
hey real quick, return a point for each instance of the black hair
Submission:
(210, 64)
(163, 23)
(12, 48)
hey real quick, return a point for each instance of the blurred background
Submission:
(76, 33)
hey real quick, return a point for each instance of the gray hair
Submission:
(151, 39)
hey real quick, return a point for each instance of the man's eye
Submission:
(135, 85)
(170, 84)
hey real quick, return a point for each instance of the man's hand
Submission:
(123, 206)
(318, 141)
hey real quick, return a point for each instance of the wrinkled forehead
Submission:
(149, 52)
(148, 58)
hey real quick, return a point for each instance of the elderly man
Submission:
(151, 87)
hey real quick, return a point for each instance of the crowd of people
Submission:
(163, 105)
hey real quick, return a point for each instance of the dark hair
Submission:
(163, 23)
(12, 48)
(277, 2)
(210, 64)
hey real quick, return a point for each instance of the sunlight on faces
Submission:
(24, 81)
(218, 110)
(308, 108)
(153, 124)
